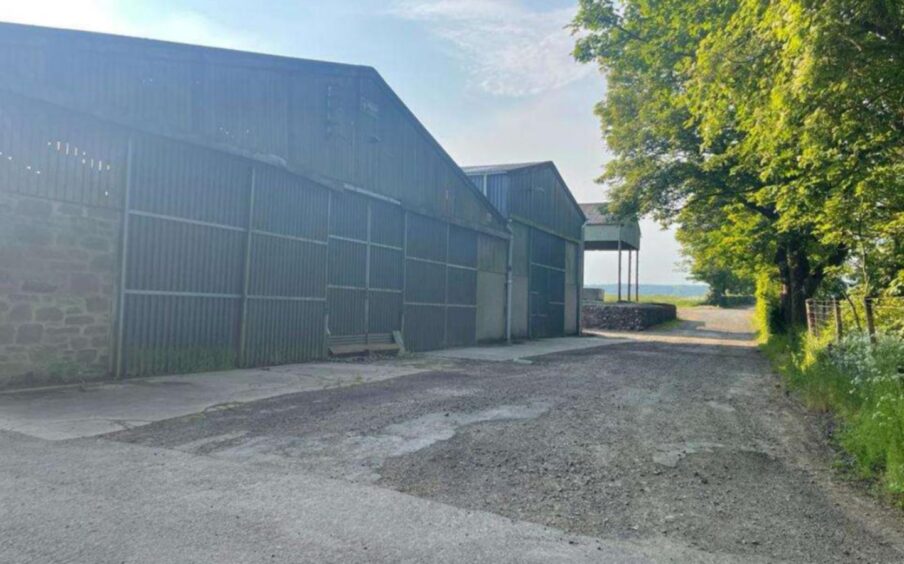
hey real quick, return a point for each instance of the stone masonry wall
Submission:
(626, 316)
(58, 275)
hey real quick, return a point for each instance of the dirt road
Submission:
(680, 441)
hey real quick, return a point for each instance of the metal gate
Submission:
(365, 269)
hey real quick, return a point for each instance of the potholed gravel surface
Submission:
(681, 437)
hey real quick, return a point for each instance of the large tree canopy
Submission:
(770, 131)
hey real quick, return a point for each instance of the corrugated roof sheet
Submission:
(499, 168)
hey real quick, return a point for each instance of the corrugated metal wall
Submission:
(547, 285)
(440, 284)
(335, 123)
(232, 263)
(492, 254)
(538, 196)
(228, 260)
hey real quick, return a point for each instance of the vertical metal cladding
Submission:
(492, 258)
(572, 287)
(54, 154)
(191, 251)
(440, 284)
(229, 260)
(365, 293)
(166, 334)
(547, 284)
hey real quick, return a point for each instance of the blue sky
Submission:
(491, 79)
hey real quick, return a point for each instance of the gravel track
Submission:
(680, 437)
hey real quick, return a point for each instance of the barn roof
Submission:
(500, 168)
(513, 167)
(596, 215)
(120, 47)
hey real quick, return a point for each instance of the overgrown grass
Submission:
(862, 385)
(679, 301)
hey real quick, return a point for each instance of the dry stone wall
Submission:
(58, 265)
(626, 316)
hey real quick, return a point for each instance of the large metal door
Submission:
(547, 285)
(440, 284)
(225, 262)
(365, 270)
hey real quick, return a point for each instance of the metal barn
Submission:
(249, 210)
(547, 245)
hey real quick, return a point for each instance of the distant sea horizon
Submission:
(678, 290)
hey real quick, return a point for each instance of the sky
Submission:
(492, 80)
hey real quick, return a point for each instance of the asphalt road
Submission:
(678, 446)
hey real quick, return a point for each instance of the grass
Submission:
(860, 384)
(679, 301)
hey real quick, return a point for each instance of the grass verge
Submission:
(679, 301)
(862, 385)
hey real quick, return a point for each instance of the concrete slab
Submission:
(99, 501)
(80, 411)
(522, 352)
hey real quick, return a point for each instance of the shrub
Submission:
(862, 383)
(768, 317)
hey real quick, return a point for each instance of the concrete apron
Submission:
(524, 351)
(68, 412)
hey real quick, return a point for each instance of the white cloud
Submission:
(507, 49)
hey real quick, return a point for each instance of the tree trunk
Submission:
(798, 283)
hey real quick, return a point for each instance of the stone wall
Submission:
(626, 316)
(58, 275)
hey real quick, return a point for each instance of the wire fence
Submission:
(874, 316)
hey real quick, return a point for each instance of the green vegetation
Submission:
(861, 384)
(771, 133)
(680, 301)
(174, 360)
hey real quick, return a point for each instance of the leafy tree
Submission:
(781, 120)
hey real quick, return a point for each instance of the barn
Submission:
(168, 208)
(547, 245)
